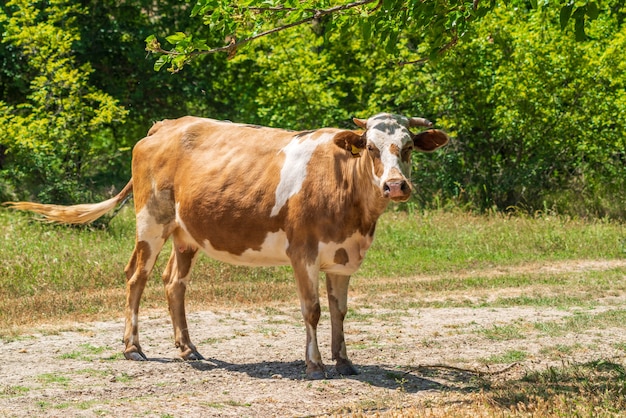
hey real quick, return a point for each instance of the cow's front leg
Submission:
(175, 279)
(337, 287)
(307, 279)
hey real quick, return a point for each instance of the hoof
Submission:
(192, 356)
(135, 356)
(316, 375)
(346, 369)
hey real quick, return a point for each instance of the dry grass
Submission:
(51, 273)
(54, 274)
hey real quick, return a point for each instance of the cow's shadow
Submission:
(394, 377)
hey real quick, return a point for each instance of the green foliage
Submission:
(516, 98)
(235, 24)
(51, 136)
(537, 118)
(514, 95)
(384, 22)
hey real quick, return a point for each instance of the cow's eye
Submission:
(373, 149)
(406, 153)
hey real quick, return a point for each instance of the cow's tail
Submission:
(75, 214)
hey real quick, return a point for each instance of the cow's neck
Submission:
(372, 200)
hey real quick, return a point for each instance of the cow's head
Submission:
(388, 143)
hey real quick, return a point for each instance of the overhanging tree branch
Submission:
(231, 48)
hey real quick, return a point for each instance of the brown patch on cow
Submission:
(184, 261)
(303, 134)
(342, 189)
(226, 189)
(394, 173)
(313, 315)
(189, 138)
(155, 128)
(141, 254)
(161, 206)
(341, 257)
(395, 150)
(372, 230)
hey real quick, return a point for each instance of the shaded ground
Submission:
(255, 365)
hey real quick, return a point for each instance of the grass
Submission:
(55, 274)
(596, 388)
(50, 273)
(85, 352)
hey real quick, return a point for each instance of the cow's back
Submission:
(232, 188)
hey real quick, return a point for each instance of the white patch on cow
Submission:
(150, 231)
(355, 246)
(298, 153)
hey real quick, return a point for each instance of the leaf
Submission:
(592, 10)
(566, 13)
(159, 63)
(176, 38)
(579, 28)
(579, 23)
(392, 43)
(366, 30)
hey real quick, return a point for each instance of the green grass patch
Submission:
(15, 390)
(436, 242)
(505, 332)
(596, 388)
(510, 356)
(85, 352)
(560, 350)
(52, 378)
(582, 321)
(50, 272)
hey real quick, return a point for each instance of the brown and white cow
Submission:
(260, 196)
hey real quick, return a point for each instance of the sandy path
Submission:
(255, 365)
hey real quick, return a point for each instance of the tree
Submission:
(516, 97)
(538, 118)
(233, 24)
(51, 135)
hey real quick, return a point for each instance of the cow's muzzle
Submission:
(397, 190)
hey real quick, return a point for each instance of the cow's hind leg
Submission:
(337, 287)
(307, 283)
(137, 272)
(175, 279)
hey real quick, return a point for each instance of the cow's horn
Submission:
(413, 122)
(361, 123)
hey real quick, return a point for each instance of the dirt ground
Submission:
(255, 364)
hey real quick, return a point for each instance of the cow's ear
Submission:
(350, 141)
(430, 140)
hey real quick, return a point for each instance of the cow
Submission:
(259, 196)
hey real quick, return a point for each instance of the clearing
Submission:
(428, 359)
